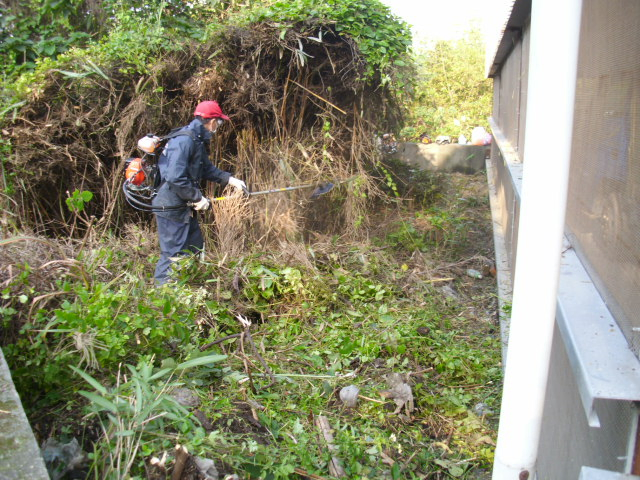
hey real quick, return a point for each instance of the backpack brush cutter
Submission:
(139, 188)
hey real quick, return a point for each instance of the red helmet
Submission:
(209, 109)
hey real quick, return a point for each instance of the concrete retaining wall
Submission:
(20, 457)
(443, 158)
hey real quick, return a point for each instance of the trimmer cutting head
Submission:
(321, 190)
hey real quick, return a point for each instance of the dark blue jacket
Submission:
(183, 164)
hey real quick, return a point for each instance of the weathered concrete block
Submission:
(20, 457)
(443, 158)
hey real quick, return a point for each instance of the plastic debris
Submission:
(207, 468)
(479, 136)
(399, 391)
(185, 397)
(64, 460)
(482, 409)
(449, 292)
(474, 273)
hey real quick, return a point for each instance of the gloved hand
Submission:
(237, 184)
(203, 204)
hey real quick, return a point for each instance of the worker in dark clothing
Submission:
(183, 164)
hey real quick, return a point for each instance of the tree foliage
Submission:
(43, 28)
(382, 38)
(38, 29)
(452, 94)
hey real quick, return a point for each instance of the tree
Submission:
(452, 94)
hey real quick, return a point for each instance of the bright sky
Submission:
(449, 19)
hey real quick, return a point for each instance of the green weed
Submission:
(354, 315)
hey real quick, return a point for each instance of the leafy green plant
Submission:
(139, 410)
(39, 29)
(101, 326)
(78, 200)
(408, 237)
(8, 182)
(270, 285)
(450, 227)
(388, 178)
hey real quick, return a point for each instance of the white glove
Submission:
(202, 204)
(237, 183)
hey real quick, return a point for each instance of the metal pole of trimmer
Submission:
(321, 189)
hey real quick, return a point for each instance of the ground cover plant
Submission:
(265, 343)
(353, 335)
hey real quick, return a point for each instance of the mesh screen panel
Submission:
(496, 98)
(524, 85)
(510, 94)
(510, 97)
(603, 212)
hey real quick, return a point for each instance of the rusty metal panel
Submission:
(603, 211)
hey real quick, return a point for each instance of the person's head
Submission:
(210, 114)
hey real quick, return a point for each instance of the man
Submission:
(183, 163)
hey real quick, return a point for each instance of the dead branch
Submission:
(181, 458)
(335, 465)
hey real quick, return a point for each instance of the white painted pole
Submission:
(555, 32)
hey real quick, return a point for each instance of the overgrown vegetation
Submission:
(300, 96)
(294, 300)
(323, 317)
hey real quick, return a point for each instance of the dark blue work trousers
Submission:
(176, 239)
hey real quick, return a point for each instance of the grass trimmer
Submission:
(320, 189)
(140, 198)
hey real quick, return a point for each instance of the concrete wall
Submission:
(20, 456)
(443, 158)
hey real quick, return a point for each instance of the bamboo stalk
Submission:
(318, 96)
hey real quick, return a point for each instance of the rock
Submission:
(482, 409)
(204, 421)
(349, 396)
(64, 460)
(185, 397)
(424, 331)
(207, 468)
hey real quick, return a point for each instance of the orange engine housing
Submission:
(134, 172)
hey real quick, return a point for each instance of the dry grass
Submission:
(231, 218)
